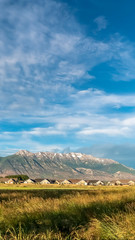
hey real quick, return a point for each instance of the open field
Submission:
(43, 212)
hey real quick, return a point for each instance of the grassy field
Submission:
(43, 212)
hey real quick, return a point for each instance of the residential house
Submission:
(82, 182)
(95, 183)
(131, 183)
(110, 183)
(11, 181)
(99, 183)
(45, 181)
(29, 181)
(124, 182)
(38, 180)
(4, 180)
(118, 183)
(53, 181)
(8, 180)
(74, 181)
(65, 182)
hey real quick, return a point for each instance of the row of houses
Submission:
(82, 182)
(70, 181)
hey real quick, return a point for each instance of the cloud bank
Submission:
(46, 64)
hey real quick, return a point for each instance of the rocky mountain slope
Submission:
(63, 165)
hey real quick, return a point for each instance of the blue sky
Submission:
(67, 77)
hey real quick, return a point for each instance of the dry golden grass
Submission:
(104, 213)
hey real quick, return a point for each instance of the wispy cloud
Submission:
(101, 23)
(41, 56)
(113, 131)
(44, 54)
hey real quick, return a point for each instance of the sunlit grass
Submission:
(67, 213)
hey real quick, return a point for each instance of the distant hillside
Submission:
(63, 165)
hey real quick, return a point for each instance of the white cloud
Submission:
(44, 54)
(91, 100)
(41, 56)
(129, 122)
(45, 131)
(11, 142)
(113, 131)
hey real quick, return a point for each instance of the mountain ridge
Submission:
(63, 165)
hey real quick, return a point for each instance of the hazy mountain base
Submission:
(58, 166)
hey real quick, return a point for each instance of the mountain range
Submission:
(63, 165)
